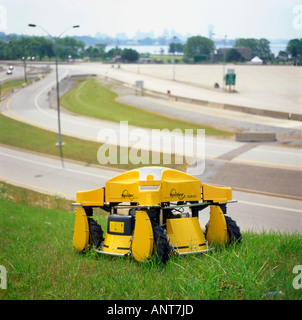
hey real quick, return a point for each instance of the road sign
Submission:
(139, 84)
(230, 79)
(231, 71)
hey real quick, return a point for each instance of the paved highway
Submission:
(17, 73)
(45, 174)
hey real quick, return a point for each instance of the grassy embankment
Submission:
(8, 86)
(41, 263)
(168, 58)
(92, 99)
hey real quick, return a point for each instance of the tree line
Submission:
(196, 49)
(39, 48)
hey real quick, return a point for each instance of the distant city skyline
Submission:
(271, 19)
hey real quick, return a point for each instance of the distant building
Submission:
(210, 31)
(256, 60)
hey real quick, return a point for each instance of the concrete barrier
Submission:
(260, 112)
(256, 136)
(296, 116)
(83, 76)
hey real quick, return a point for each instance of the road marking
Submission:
(44, 89)
(268, 163)
(54, 116)
(22, 119)
(16, 116)
(54, 166)
(296, 152)
(269, 206)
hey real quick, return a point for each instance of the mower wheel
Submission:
(162, 243)
(96, 232)
(234, 233)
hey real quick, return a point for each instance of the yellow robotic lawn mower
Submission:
(147, 216)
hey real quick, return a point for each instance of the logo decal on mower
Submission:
(126, 194)
(174, 193)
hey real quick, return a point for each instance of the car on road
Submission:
(11, 68)
(9, 71)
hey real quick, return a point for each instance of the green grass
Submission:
(41, 263)
(22, 135)
(92, 99)
(168, 58)
(8, 86)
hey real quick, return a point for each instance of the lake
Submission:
(155, 49)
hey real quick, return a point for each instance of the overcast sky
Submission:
(271, 19)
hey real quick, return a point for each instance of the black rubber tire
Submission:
(96, 232)
(234, 233)
(163, 248)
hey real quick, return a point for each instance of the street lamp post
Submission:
(174, 39)
(3, 44)
(24, 58)
(55, 39)
(138, 67)
(223, 76)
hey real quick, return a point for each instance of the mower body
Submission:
(146, 214)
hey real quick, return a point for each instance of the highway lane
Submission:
(46, 174)
(17, 73)
(271, 156)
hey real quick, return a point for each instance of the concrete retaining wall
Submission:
(256, 136)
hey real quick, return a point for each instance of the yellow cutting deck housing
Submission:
(153, 197)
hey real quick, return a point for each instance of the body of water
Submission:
(142, 49)
(156, 49)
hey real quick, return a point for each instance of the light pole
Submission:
(24, 59)
(3, 44)
(223, 76)
(174, 39)
(55, 39)
(138, 69)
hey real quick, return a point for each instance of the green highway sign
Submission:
(230, 79)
